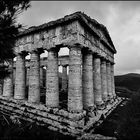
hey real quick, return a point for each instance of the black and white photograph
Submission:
(69, 70)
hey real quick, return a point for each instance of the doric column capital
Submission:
(78, 46)
(41, 66)
(54, 48)
(103, 59)
(112, 63)
(87, 51)
(23, 53)
(64, 65)
(97, 55)
(108, 62)
(38, 51)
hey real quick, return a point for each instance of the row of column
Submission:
(90, 83)
(91, 86)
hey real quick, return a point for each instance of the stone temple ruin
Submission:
(86, 91)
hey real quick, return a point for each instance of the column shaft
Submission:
(109, 85)
(97, 81)
(34, 78)
(41, 76)
(27, 76)
(44, 76)
(104, 80)
(8, 82)
(14, 76)
(75, 103)
(8, 86)
(64, 78)
(112, 80)
(52, 81)
(20, 77)
(88, 93)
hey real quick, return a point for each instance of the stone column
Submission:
(27, 75)
(88, 93)
(44, 79)
(14, 75)
(8, 82)
(109, 85)
(52, 79)
(20, 77)
(41, 76)
(75, 103)
(104, 80)
(64, 78)
(97, 81)
(27, 81)
(112, 80)
(34, 77)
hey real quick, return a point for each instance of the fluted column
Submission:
(112, 80)
(75, 103)
(64, 78)
(20, 77)
(88, 93)
(109, 85)
(34, 77)
(104, 80)
(52, 81)
(8, 82)
(97, 81)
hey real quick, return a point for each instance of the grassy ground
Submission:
(124, 122)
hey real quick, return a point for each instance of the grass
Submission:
(129, 124)
(124, 122)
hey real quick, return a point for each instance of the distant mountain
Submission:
(130, 81)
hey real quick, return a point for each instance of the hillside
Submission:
(130, 81)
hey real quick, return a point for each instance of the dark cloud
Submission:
(122, 18)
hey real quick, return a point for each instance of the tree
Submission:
(9, 29)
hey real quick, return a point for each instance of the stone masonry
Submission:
(88, 84)
(88, 87)
(104, 80)
(19, 92)
(52, 91)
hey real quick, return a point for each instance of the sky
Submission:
(122, 19)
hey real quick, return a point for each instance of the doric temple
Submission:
(70, 101)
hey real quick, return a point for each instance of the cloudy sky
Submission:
(122, 19)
